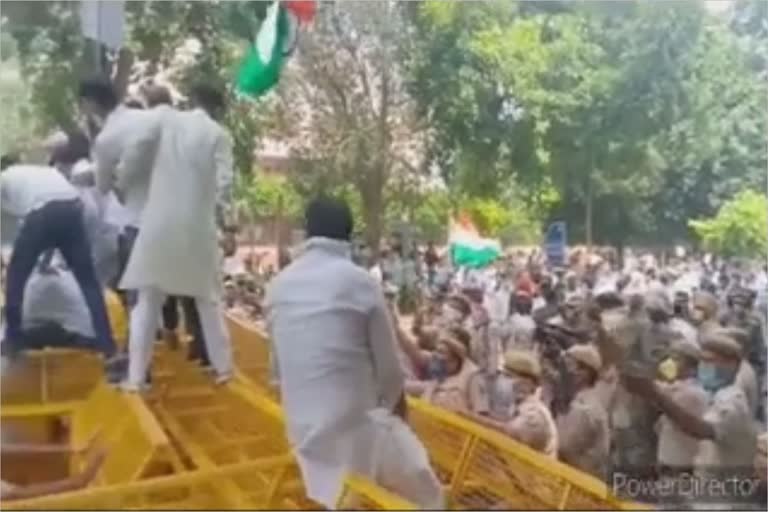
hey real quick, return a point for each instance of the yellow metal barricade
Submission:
(48, 377)
(251, 352)
(483, 468)
(480, 468)
(228, 448)
(250, 485)
(359, 493)
(136, 445)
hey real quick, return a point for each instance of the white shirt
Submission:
(56, 298)
(124, 152)
(330, 382)
(24, 188)
(177, 248)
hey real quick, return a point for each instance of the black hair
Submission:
(208, 97)
(329, 218)
(77, 148)
(100, 91)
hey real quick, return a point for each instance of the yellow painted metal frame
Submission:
(455, 444)
(135, 441)
(46, 377)
(230, 449)
(359, 493)
(199, 489)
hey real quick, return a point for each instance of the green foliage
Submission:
(643, 112)
(646, 114)
(740, 228)
(50, 49)
(16, 125)
(268, 196)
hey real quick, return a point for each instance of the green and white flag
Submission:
(468, 248)
(276, 39)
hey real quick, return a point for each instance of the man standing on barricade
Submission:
(334, 356)
(176, 250)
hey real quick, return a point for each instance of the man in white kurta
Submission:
(334, 354)
(176, 250)
(123, 153)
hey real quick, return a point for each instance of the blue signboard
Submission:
(555, 242)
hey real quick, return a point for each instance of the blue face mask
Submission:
(437, 369)
(712, 378)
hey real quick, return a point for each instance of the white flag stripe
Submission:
(267, 36)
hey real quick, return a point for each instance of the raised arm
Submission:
(419, 358)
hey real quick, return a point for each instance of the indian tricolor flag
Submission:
(468, 248)
(274, 43)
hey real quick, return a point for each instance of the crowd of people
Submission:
(646, 371)
(655, 371)
(132, 207)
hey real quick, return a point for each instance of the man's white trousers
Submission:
(144, 324)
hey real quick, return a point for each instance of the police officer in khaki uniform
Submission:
(529, 421)
(583, 430)
(726, 430)
(633, 419)
(677, 449)
(746, 378)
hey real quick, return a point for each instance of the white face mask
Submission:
(451, 314)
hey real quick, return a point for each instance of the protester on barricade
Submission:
(52, 214)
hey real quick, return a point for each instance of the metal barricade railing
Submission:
(480, 468)
(486, 469)
(250, 348)
(359, 493)
(194, 490)
(136, 445)
(42, 380)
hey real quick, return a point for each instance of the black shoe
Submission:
(116, 368)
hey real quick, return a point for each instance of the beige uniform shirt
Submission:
(533, 419)
(735, 436)
(584, 434)
(677, 448)
(459, 392)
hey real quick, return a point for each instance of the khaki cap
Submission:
(739, 335)
(522, 362)
(723, 345)
(587, 355)
(687, 349)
